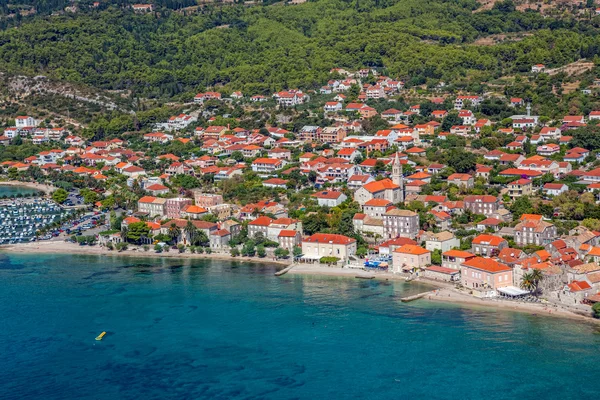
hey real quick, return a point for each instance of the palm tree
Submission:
(191, 231)
(527, 282)
(124, 233)
(174, 232)
(537, 276)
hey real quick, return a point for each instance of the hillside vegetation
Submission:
(168, 54)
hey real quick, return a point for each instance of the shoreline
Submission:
(32, 185)
(59, 247)
(446, 293)
(440, 292)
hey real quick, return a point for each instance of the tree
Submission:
(260, 251)
(191, 231)
(60, 195)
(234, 252)
(89, 196)
(137, 230)
(281, 252)
(158, 248)
(527, 282)
(591, 223)
(174, 232)
(436, 257)
(461, 161)
(329, 260)
(297, 251)
(596, 310)
(121, 246)
(522, 205)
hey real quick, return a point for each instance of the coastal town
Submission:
(362, 174)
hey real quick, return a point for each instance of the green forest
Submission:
(168, 54)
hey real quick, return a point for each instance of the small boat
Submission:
(100, 336)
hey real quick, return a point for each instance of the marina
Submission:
(22, 220)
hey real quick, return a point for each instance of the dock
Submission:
(284, 271)
(365, 276)
(415, 297)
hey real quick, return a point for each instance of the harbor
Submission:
(24, 220)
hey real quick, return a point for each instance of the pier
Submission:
(416, 296)
(284, 271)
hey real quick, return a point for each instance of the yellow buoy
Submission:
(100, 336)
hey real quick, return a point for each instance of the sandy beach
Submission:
(445, 292)
(61, 247)
(33, 185)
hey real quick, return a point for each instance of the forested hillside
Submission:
(259, 49)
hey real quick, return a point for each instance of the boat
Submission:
(100, 336)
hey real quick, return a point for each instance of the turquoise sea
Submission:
(182, 329)
(11, 191)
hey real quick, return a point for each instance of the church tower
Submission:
(397, 175)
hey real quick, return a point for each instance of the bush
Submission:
(234, 252)
(192, 249)
(109, 246)
(158, 248)
(329, 260)
(208, 250)
(181, 248)
(146, 247)
(596, 310)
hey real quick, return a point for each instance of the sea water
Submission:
(208, 329)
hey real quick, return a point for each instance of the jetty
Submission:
(416, 296)
(365, 276)
(284, 271)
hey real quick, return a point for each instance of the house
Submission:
(22, 122)
(376, 208)
(442, 274)
(410, 257)
(537, 68)
(260, 224)
(548, 149)
(550, 133)
(400, 223)
(462, 101)
(153, 206)
(555, 189)
(383, 189)
(348, 154)
(443, 241)
(193, 212)
(520, 187)
(157, 189)
(267, 165)
(488, 245)
(535, 232)
(454, 259)
(288, 239)
(329, 198)
(594, 115)
(366, 224)
(516, 102)
(328, 245)
(357, 181)
(524, 123)
(277, 183)
(461, 180)
(485, 275)
(482, 204)
(219, 239)
(467, 116)
(333, 106)
(174, 206)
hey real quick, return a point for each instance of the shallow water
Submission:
(198, 329)
(11, 191)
